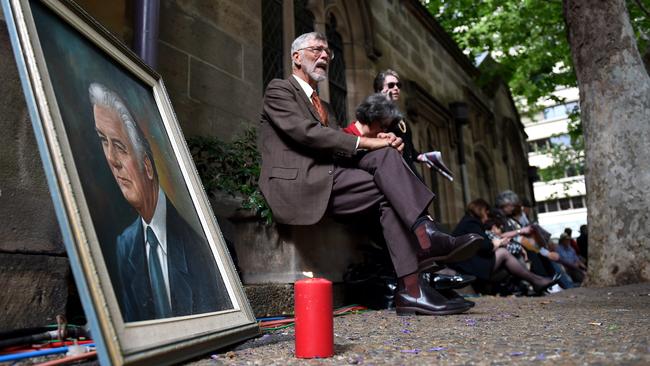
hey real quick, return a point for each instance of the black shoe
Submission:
(431, 267)
(429, 302)
(452, 295)
(540, 290)
(441, 281)
(444, 248)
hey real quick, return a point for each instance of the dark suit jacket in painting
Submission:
(298, 154)
(195, 283)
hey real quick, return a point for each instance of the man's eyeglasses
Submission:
(319, 51)
(392, 85)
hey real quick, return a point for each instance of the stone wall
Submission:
(210, 58)
(211, 61)
(34, 272)
(408, 46)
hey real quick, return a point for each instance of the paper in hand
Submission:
(433, 159)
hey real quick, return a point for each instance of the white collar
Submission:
(305, 87)
(159, 221)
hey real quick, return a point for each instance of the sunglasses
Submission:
(392, 85)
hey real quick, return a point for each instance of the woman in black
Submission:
(493, 254)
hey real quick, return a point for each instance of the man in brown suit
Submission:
(311, 168)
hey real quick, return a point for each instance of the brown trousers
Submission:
(382, 183)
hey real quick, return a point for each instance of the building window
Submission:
(272, 65)
(338, 88)
(569, 203)
(577, 202)
(303, 18)
(538, 145)
(565, 204)
(560, 110)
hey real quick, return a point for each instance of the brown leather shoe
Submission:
(430, 302)
(444, 248)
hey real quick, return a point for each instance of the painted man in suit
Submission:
(164, 268)
(310, 168)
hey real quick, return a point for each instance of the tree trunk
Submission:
(615, 112)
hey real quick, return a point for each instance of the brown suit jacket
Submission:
(298, 154)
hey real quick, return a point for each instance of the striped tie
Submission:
(319, 107)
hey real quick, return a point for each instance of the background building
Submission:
(560, 202)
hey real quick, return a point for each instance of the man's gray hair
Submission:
(102, 96)
(302, 39)
(506, 198)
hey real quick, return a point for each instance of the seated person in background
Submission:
(525, 210)
(572, 241)
(583, 245)
(543, 261)
(493, 254)
(569, 259)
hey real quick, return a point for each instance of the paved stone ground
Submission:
(584, 326)
(595, 326)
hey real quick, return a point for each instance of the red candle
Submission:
(314, 318)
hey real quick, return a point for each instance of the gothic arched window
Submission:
(338, 88)
(272, 65)
(303, 18)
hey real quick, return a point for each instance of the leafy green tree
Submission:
(526, 37)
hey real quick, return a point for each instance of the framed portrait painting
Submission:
(156, 281)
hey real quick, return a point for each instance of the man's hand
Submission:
(382, 140)
(393, 140)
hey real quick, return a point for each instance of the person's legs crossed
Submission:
(409, 198)
(353, 193)
(503, 258)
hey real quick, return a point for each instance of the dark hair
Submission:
(377, 107)
(489, 224)
(378, 83)
(493, 221)
(474, 207)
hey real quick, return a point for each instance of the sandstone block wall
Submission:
(211, 61)
(34, 272)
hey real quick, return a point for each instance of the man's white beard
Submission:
(317, 77)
